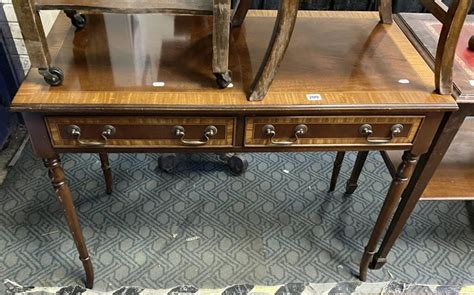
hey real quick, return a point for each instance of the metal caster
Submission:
(168, 162)
(78, 20)
(53, 76)
(237, 164)
(223, 79)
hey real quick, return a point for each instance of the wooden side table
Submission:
(162, 100)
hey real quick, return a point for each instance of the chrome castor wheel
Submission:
(237, 164)
(168, 162)
(223, 79)
(53, 76)
(78, 20)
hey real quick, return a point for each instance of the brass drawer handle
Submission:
(107, 130)
(269, 130)
(180, 132)
(367, 130)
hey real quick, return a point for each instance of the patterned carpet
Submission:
(340, 288)
(202, 226)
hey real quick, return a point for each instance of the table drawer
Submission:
(142, 131)
(331, 130)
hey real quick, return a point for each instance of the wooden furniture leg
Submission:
(240, 12)
(35, 41)
(404, 173)
(356, 171)
(220, 40)
(385, 11)
(33, 33)
(422, 175)
(336, 169)
(285, 23)
(104, 162)
(56, 173)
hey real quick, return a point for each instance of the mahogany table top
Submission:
(336, 61)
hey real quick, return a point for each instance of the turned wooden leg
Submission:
(404, 172)
(336, 169)
(104, 161)
(240, 12)
(385, 11)
(56, 173)
(423, 173)
(356, 171)
(282, 32)
(220, 39)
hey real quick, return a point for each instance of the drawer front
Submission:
(143, 131)
(331, 130)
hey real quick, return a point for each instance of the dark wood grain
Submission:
(240, 12)
(105, 165)
(454, 177)
(355, 71)
(352, 184)
(63, 193)
(279, 42)
(357, 83)
(422, 175)
(399, 183)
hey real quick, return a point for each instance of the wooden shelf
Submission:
(128, 6)
(454, 178)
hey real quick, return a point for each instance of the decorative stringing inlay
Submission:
(413, 122)
(56, 124)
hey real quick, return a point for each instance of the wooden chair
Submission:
(452, 19)
(27, 12)
(286, 19)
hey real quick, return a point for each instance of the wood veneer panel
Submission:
(139, 132)
(331, 130)
(114, 61)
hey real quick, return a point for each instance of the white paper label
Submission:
(158, 84)
(471, 82)
(314, 96)
(404, 81)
